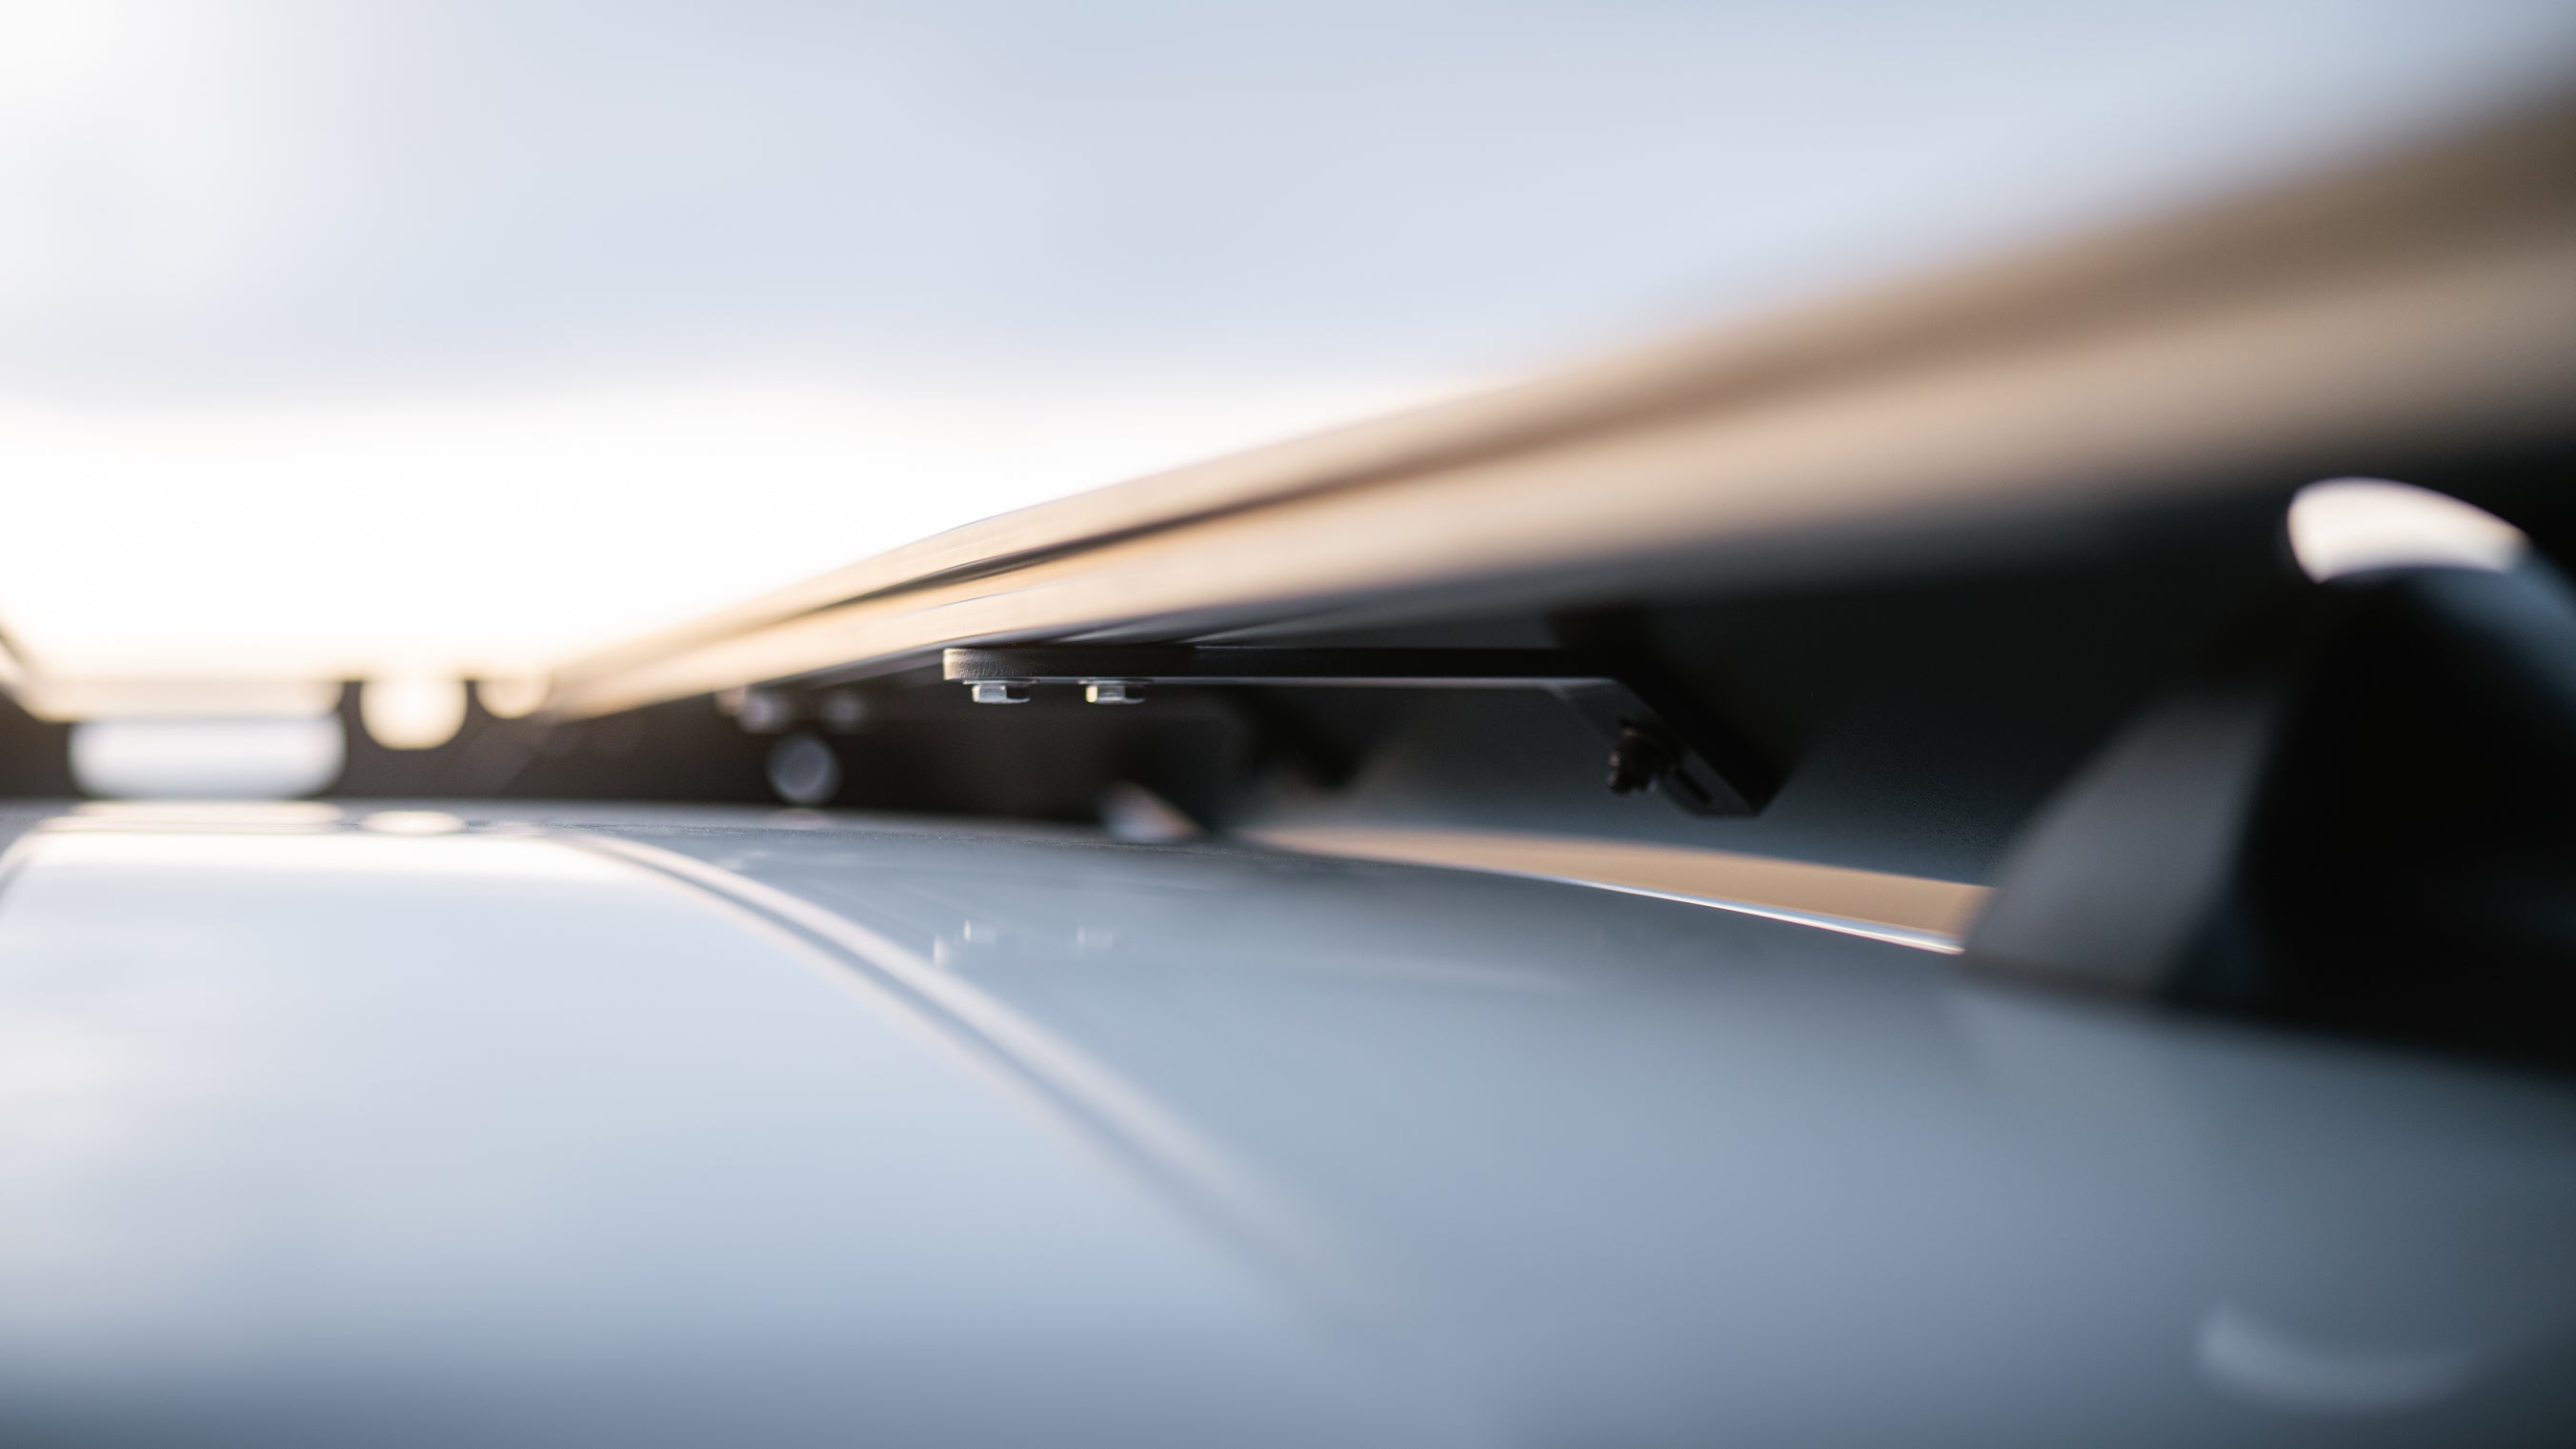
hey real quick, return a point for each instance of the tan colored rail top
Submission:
(2410, 304)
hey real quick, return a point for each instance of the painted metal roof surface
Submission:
(642, 1126)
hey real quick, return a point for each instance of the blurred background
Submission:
(417, 340)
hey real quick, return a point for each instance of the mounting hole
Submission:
(803, 770)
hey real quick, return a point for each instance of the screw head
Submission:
(1636, 761)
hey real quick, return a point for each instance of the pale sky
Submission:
(465, 334)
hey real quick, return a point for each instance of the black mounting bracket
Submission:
(1659, 737)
